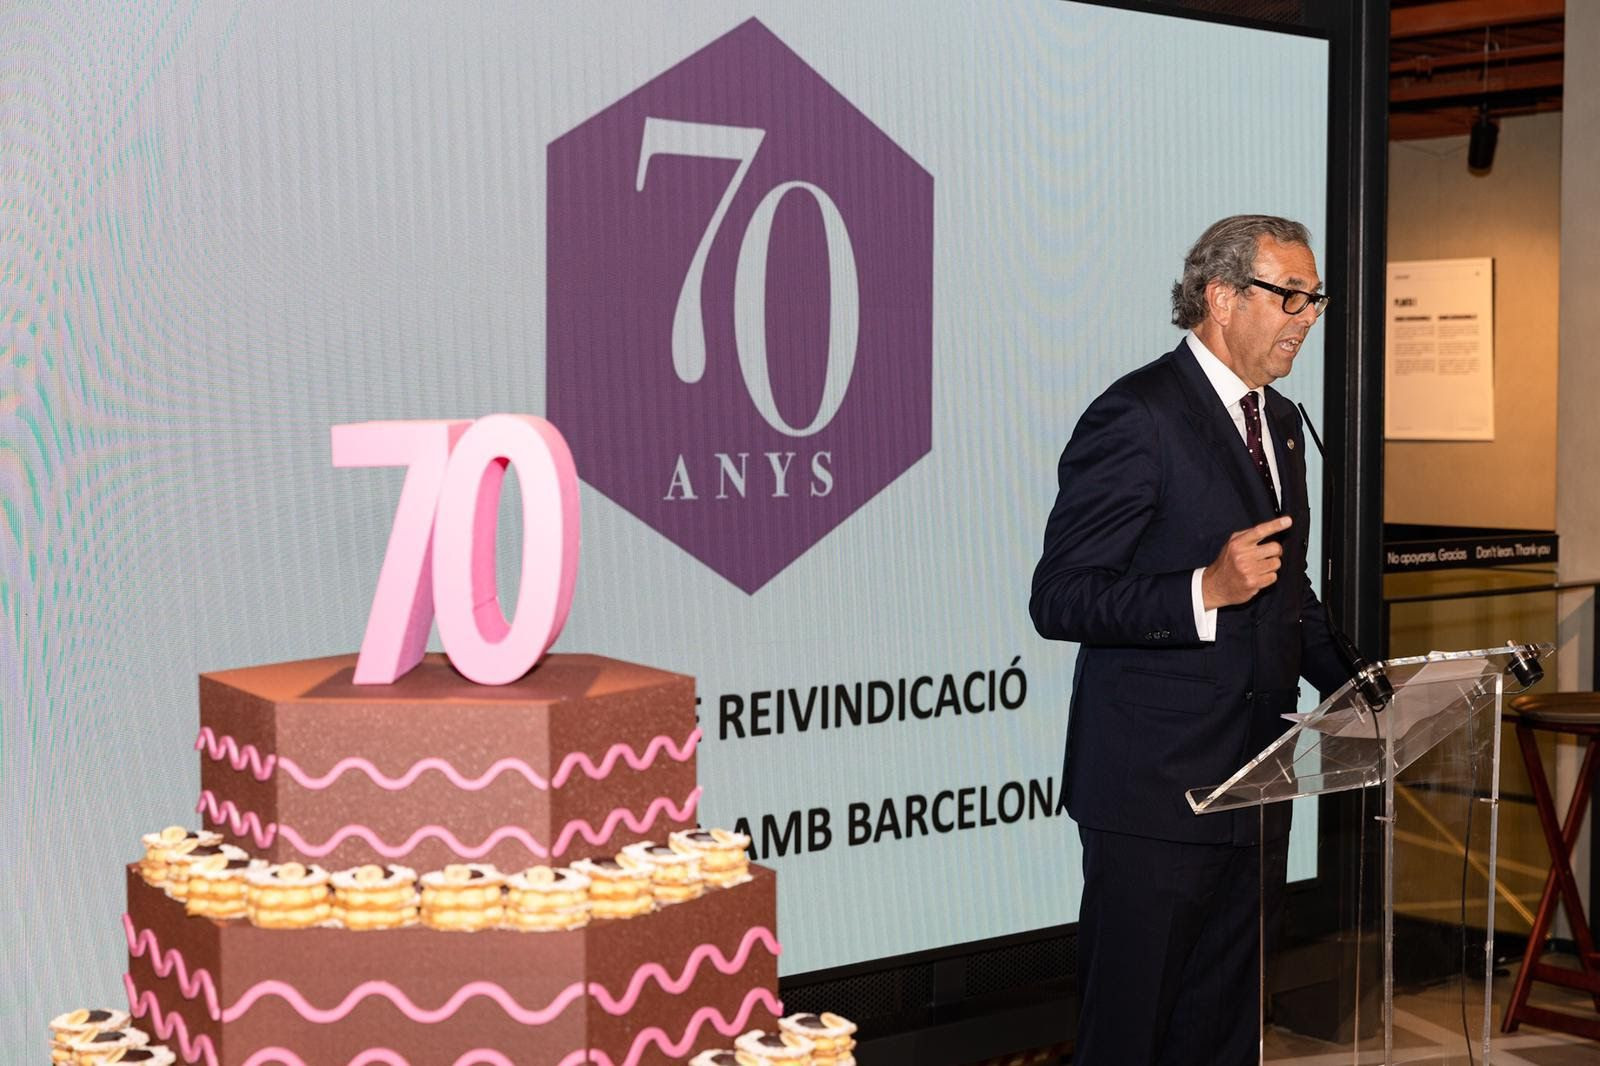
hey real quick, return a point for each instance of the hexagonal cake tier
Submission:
(641, 991)
(577, 759)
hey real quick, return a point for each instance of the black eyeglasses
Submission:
(1295, 300)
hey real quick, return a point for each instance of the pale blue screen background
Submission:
(227, 227)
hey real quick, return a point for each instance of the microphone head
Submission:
(1525, 666)
(1375, 686)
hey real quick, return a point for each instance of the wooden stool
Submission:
(1576, 714)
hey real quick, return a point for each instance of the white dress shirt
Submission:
(1230, 390)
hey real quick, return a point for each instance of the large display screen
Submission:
(815, 291)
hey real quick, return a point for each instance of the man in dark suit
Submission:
(1175, 556)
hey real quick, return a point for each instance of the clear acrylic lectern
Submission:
(1420, 898)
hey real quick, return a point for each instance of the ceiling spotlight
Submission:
(1485, 131)
(1480, 145)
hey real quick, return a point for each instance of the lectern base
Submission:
(1311, 988)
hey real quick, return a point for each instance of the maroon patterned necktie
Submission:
(1251, 404)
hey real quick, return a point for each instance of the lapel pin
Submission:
(1291, 444)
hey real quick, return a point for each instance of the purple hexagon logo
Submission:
(740, 305)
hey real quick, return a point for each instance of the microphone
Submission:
(1371, 680)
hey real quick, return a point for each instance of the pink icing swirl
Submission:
(240, 822)
(191, 985)
(404, 1004)
(654, 971)
(382, 1056)
(199, 983)
(677, 1049)
(145, 1003)
(141, 1004)
(200, 1048)
(262, 767)
(264, 833)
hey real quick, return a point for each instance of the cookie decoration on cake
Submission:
(776, 1049)
(289, 895)
(182, 863)
(832, 1037)
(463, 897)
(674, 875)
(376, 897)
(724, 860)
(160, 849)
(541, 899)
(724, 1058)
(218, 886)
(149, 1055)
(94, 1048)
(618, 888)
(65, 1028)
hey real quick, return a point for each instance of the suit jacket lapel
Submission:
(1220, 436)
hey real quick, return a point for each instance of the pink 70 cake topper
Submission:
(441, 555)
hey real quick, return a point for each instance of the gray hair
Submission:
(1226, 252)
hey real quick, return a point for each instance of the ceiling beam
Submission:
(1511, 79)
(1416, 126)
(1429, 63)
(1450, 122)
(1455, 16)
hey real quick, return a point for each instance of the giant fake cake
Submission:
(483, 858)
(561, 771)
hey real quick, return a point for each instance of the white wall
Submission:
(1439, 210)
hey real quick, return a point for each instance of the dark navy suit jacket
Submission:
(1154, 480)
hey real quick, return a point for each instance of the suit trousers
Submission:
(1168, 965)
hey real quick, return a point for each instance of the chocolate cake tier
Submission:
(642, 991)
(577, 759)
